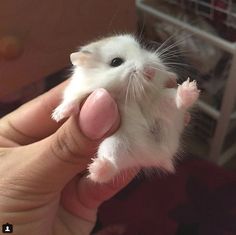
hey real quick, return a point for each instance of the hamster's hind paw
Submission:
(101, 170)
(187, 94)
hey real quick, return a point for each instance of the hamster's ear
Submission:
(80, 58)
(74, 57)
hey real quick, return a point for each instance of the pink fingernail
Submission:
(98, 114)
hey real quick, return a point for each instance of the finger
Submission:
(82, 197)
(53, 161)
(32, 121)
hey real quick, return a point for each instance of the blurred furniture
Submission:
(36, 37)
(190, 202)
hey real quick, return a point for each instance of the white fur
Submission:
(152, 116)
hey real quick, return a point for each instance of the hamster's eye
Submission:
(116, 62)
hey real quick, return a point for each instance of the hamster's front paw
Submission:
(62, 111)
(101, 170)
(187, 94)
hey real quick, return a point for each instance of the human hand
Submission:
(42, 186)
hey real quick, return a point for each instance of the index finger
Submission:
(32, 121)
(82, 196)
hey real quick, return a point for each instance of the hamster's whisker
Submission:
(133, 89)
(134, 82)
(157, 68)
(181, 64)
(130, 92)
(175, 44)
(139, 87)
(163, 44)
(172, 58)
(171, 48)
(143, 83)
(171, 54)
(167, 50)
(164, 50)
(173, 63)
(127, 93)
(151, 45)
(142, 88)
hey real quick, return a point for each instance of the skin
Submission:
(43, 188)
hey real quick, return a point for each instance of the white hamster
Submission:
(152, 116)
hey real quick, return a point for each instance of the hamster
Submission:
(152, 116)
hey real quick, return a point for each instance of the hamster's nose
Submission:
(149, 73)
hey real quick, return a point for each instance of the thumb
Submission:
(55, 160)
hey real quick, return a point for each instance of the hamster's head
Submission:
(121, 62)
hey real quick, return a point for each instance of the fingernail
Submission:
(98, 114)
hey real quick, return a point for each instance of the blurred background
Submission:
(201, 36)
(198, 36)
